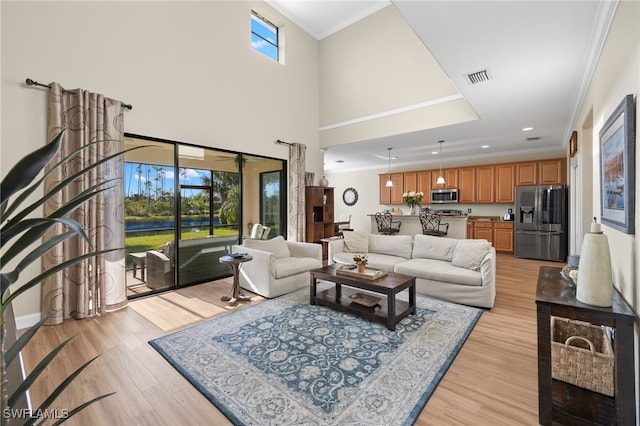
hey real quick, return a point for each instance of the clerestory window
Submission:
(264, 36)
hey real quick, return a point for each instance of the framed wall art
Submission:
(617, 168)
(573, 143)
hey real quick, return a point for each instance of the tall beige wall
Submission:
(617, 75)
(187, 68)
(370, 88)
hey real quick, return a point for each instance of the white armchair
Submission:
(278, 266)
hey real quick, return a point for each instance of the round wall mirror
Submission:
(350, 196)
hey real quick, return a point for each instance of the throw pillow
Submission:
(468, 254)
(276, 246)
(356, 242)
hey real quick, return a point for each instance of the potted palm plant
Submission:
(21, 245)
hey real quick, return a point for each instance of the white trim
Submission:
(26, 321)
(575, 206)
(393, 111)
(603, 21)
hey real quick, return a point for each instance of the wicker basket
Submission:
(581, 354)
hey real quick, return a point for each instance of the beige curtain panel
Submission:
(95, 285)
(296, 226)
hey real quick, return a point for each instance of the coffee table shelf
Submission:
(343, 303)
(389, 311)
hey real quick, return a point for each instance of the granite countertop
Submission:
(485, 218)
(488, 219)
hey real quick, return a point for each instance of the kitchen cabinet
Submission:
(494, 183)
(470, 229)
(527, 173)
(467, 185)
(498, 233)
(410, 181)
(483, 230)
(485, 184)
(398, 188)
(552, 172)
(391, 195)
(543, 172)
(385, 192)
(424, 184)
(319, 213)
(503, 236)
(505, 174)
(450, 178)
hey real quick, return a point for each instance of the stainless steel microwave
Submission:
(444, 196)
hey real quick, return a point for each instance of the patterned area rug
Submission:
(286, 362)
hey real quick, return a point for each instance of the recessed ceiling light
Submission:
(434, 152)
(527, 129)
(484, 146)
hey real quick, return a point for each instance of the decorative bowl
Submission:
(565, 274)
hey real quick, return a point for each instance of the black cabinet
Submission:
(564, 403)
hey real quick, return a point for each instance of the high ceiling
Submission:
(540, 56)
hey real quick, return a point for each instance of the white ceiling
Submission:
(540, 56)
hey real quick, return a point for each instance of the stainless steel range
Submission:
(446, 212)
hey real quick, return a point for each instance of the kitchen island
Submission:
(411, 225)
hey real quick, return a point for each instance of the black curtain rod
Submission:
(283, 142)
(35, 83)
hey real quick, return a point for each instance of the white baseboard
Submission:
(26, 321)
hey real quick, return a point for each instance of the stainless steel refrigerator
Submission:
(541, 222)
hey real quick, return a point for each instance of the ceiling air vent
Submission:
(478, 76)
(534, 138)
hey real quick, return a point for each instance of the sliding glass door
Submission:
(149, 215)
(187, 205)
(209, 210)
(272, 209)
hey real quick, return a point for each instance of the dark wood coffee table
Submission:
(389, 311)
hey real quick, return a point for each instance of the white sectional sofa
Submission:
(457, 270)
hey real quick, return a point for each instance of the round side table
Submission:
(236, 293)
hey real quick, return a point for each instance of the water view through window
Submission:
(185, 206)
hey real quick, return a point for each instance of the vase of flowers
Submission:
(413, 200)
(360, 260)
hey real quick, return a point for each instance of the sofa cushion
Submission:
(469, 253)
(285, 267)
(430, 247)
(356, 242)
(276, 246)
(439, 270)
(394, 245)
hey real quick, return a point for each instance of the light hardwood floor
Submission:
(493, 380)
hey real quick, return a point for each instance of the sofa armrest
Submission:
(262, 260)
(301, 249)
(488, 268)
(154, 257)
(335, 246)
(159, 270)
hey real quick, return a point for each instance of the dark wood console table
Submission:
(563, 403)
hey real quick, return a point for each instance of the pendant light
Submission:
(440, 180)
(389, 181)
